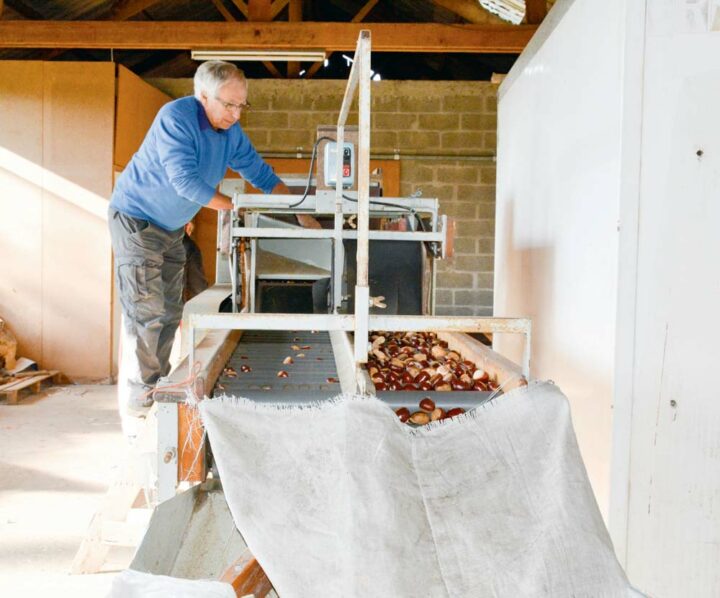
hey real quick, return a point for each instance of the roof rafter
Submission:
(125, 9)
(171, 35)
(535, 11)
(471, 11)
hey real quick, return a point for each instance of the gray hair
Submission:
(213, 74)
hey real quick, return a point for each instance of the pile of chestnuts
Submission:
(428, 413)
(421, 361)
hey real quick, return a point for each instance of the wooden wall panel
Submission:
(21, 203)
(137, 104)
(78, 117)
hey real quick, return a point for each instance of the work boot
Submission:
(138, 405)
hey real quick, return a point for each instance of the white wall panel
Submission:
(674, 499)
(559, 132)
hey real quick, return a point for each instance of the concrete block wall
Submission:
(445, 136)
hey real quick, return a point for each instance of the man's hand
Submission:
(304, 220)
(220, 201)
(307, 221)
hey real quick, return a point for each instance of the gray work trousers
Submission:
(149, 268)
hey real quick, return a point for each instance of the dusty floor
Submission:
(58, 452)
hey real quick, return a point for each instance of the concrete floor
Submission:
(59, 451)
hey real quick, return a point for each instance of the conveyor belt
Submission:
(263, 351)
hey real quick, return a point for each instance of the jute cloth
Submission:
(342, 499)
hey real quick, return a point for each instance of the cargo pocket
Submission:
(132, 287)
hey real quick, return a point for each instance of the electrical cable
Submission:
(309, 177)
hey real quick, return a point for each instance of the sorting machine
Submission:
(295, 310)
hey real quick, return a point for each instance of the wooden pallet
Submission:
(28, 380)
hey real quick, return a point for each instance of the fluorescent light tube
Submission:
(260, 55)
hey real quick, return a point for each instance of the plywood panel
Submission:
(78, 119)
(21, 203)
(137, 104)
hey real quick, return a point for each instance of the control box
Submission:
(348, 164)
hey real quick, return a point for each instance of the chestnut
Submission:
(406, 377)
(458, 385)
(422, 376)
(481, 375)
(403, 413)
(245, 368)
(443, 387)
(437, 413)
(282, 374)
(455, 411)
(427, 404)
(288, 361)
(419, 418)
(438, 352)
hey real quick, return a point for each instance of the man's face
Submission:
(224, 108)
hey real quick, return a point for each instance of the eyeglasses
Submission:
(230, 107)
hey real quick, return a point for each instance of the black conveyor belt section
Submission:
(263, 351)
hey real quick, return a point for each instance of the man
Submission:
(184, 156)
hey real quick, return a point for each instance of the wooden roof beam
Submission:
(535, 11)
(186, 35)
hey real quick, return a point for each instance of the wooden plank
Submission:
(535, 11)
(387, 37)
(470, 10)
(242, 7)
(247, 577)
(259, 10)
(363, 12)
(34, 383)
(25, 11)
(124, 9)
(277, 7)
(223, 11)
(191, 445)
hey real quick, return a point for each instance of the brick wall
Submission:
(445, 134)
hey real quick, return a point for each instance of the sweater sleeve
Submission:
(177, 150)
(252, 167)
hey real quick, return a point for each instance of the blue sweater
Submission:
(181, 162)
